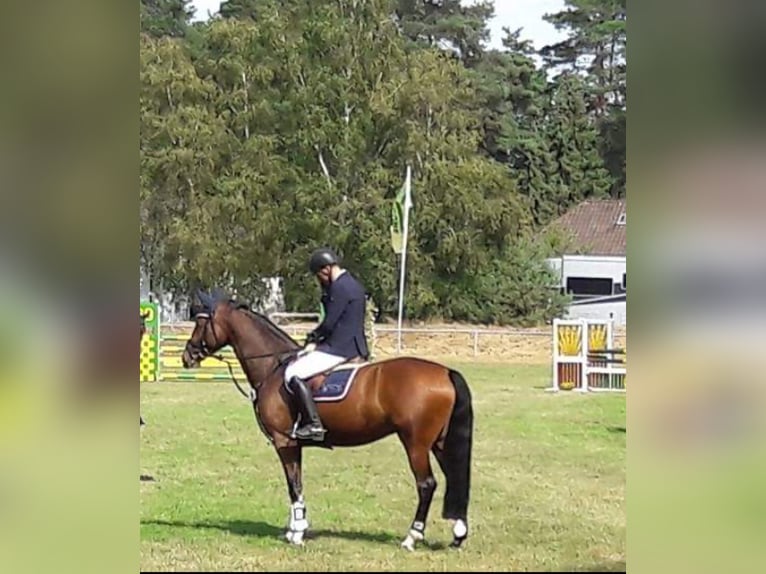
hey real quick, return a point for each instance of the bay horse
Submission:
(427, 405)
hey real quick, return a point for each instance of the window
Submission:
(619, 286)
(621, 220)
(588, 286)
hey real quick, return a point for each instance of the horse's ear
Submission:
(220, 295)
(205, 300)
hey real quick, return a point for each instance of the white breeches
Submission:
(311, 364)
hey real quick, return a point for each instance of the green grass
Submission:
(548, 488)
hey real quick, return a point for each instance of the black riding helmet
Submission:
(322, 257)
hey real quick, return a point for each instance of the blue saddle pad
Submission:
(336, 386)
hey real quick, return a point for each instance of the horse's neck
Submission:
(250, 339)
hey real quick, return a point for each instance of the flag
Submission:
(402, 201)
(399, 229)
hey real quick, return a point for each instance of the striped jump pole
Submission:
(210, 370)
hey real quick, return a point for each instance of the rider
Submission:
(339, 337)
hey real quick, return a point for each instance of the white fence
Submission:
(474, 334)
(528, 346)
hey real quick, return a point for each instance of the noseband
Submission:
(201, 351)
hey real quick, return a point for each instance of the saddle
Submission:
(315, 383)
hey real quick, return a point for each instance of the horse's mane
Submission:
(268, 323)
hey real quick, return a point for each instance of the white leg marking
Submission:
(413, 536)
(460, 529)
(297, 538)
(298, 522)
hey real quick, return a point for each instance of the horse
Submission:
(427, 405)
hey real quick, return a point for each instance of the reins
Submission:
(253, 395)
(253, 390)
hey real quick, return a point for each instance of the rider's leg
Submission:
(312, 427)
(296, 375)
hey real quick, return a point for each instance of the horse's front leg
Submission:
(297, 522)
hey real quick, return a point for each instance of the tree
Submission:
(447, 24)
(179, 141)
(165, 17)
(241, 9)
(595, 48)
(268, 136)
(573, 141)
(510, 90)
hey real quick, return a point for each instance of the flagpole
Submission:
(407, 205)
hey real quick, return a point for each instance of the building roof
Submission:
(598, 227)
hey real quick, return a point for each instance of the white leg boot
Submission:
(298, 522)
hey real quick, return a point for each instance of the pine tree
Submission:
(241, 9)
(573, 144)
(165, 17)
(447, 24)
(595, 48)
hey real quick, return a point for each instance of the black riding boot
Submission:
(312, 429)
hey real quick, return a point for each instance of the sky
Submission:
(526, 14)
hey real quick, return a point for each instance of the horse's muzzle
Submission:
(191, 358)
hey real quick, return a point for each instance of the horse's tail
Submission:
(456, 455)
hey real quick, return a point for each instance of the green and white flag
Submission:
(402, 203)
(400, 222)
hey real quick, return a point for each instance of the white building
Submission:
(594, 269)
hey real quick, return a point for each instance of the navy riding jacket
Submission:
(342, 330)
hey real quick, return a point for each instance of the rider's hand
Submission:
(312, 337)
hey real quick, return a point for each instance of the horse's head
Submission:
(210, 330)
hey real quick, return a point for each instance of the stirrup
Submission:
(309, 432)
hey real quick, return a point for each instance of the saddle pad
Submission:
(349, 366)
(337, 384)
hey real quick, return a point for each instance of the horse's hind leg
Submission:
(420, 464)
(459, 526)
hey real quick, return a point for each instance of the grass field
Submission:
(548, 487)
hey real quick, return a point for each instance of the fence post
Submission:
(370, 328)
(475, 343)
(150, 349)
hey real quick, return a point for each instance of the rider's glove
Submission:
(312, 337)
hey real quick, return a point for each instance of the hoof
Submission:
(294, 538)
(412, 537)
(460, 533)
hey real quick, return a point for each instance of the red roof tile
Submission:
(595, 228)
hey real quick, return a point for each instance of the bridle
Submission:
(199, 352)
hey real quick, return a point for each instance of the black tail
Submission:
(455, 459)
